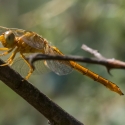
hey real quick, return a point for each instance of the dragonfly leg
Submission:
(7, 52)
(11, 58)
(31, 67)
(3, 49)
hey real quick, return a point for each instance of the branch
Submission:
(100, 60)
(38, 100)
(108, 63)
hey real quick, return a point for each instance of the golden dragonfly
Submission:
(23, 42)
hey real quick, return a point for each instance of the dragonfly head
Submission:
(8, 39)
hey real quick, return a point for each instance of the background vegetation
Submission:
(68, 24)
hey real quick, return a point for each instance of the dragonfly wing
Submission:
(31, 38)
(40, 67)
(17, 32)
(20, 66)
(3, 29)
(59, 67)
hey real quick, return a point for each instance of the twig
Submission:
(108, 63)
(100, 60)
(38, 100)
(93, 52)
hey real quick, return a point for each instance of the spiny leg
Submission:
(31, 68)
(11, 58)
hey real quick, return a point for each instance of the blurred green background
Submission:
(68, 24)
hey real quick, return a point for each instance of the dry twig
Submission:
(101, 60)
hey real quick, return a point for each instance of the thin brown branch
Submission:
(108, 63)
(38, 100)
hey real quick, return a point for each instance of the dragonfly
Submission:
(26, 42)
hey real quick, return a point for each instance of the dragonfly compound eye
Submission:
(9, 37)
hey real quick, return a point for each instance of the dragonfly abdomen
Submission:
(96, 77)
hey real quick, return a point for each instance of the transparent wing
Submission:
(31, 38)
(17, 32)
(40, 68)
(20, 66)
(3, 29)
(59, 67)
